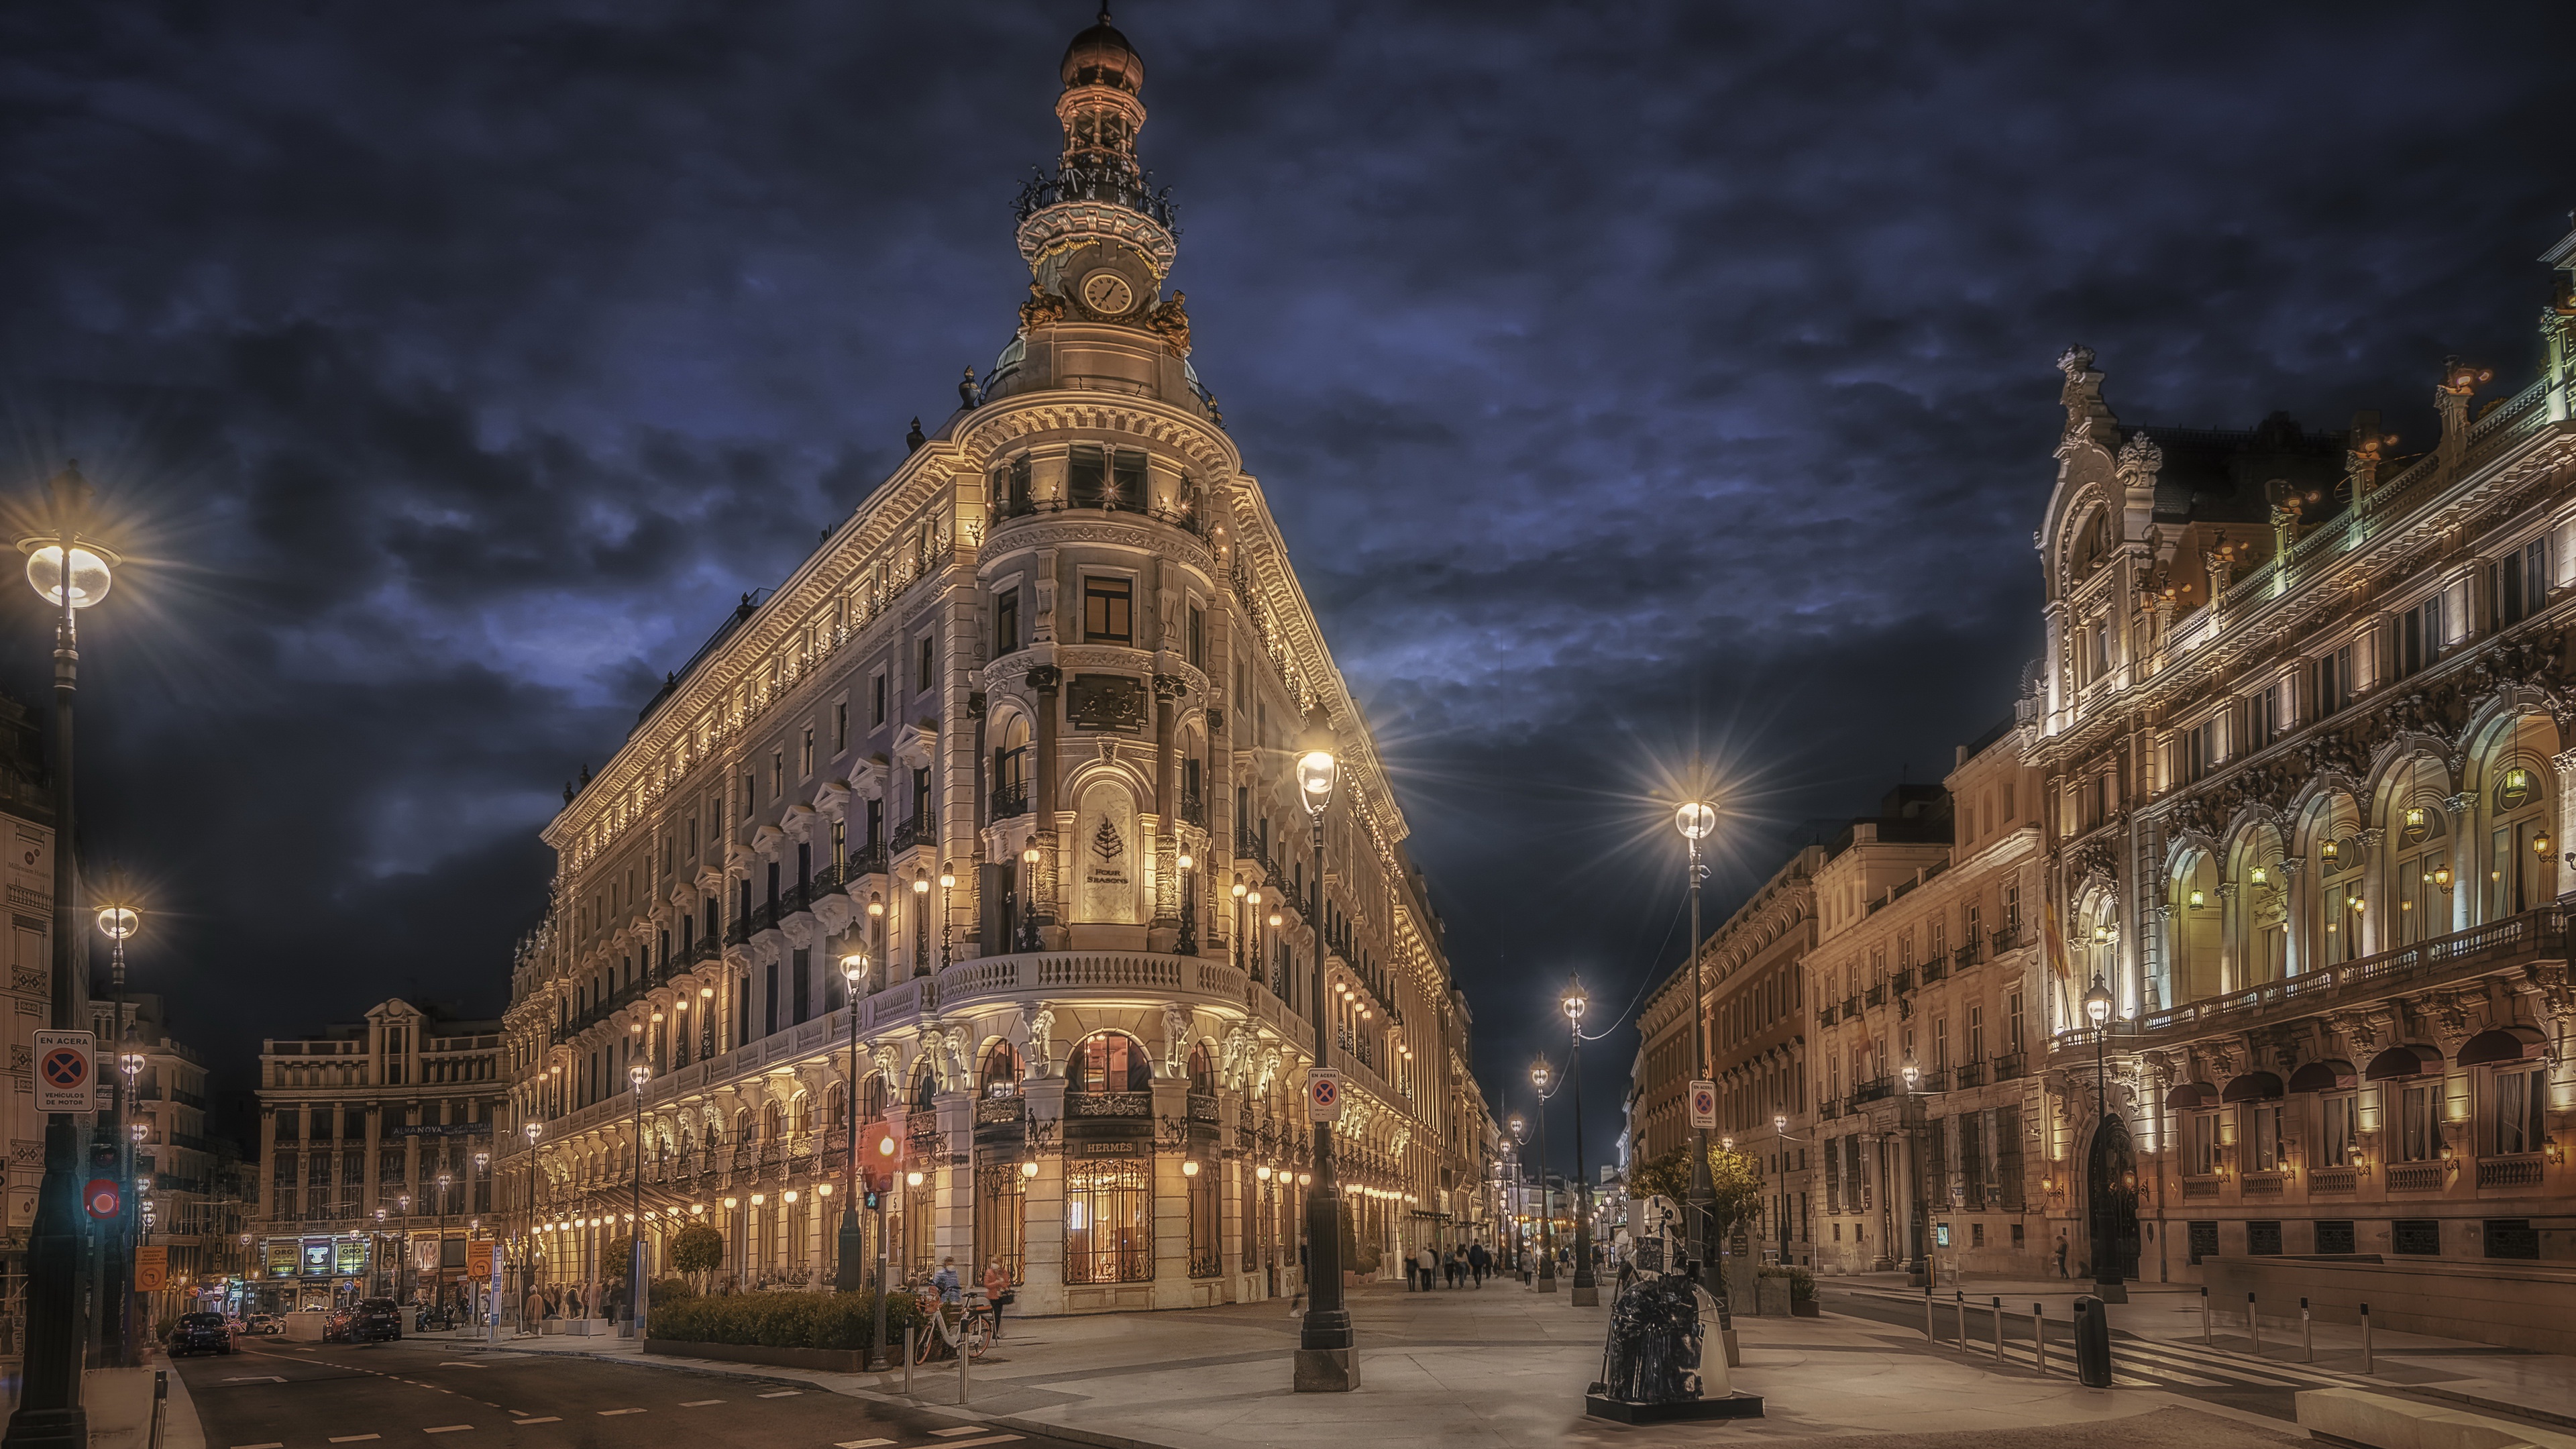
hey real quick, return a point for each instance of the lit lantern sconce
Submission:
(1028, 1169)
(2260, 876)
(2198, 900)
(912, 1178)
(2330, 850)
(1189, 1167)
(1262, 1172)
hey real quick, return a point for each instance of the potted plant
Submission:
(1802, 1295)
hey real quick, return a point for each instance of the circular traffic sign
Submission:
(102, 1197)
(1703, 1102)
(64, 1067)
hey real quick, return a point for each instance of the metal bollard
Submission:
(1927, 1315)
(160, 1403)
(1963, 1320)
(1999, 1330)
(2365, 1338)
(2307, 1340)
(2039, 1335)
(2092, 1343)
(2253, 1323)
(907, 1360)
(2208, 1329)
(961, 1369)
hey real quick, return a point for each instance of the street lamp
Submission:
(1520, 1192)
(921, 925)
(402, 1262)
(116, 1335)
(1696, 820)
(528, 1249)
(2106, 1267)
(70, 572)
(846, 1273)
(438, 1284)
(639, 1074)
(1540, 1076)
(1326, 1358)
(885, 1255)
(1586, 1293)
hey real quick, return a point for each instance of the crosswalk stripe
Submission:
(988, 1439)
(861, 1443)
(952, 1433)
(698, 1403)
(782, 1394)
(613, 1413)
(448, 1429)
(354, 1438)
(548, 1419)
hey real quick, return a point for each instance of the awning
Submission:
(2252, 1087)
(2501, 1044)
(2334, 1074)
(2187, 1095)
(2402, 1061)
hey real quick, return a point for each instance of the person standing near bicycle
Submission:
(952, 1290)
(997, 1292)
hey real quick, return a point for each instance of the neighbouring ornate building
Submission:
(27, 828)
(192, 1180)
(377, 1153)
(2302, 728)
(1018, 734)
(1921, 1002)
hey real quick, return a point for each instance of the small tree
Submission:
(1735, 1182)
(698, 1251)
(1665, 1176)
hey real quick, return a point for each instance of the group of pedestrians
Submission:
(1459, 1267)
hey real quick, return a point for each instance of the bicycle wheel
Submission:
(976, 1334)
(925, 1342)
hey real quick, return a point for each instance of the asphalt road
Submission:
(424, 1394)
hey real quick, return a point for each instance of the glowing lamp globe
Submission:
(90, 568)
(117, 923)
(1695, 820)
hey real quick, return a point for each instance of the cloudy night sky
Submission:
(1635, 382)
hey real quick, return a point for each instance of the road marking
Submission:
(257, 1379)
(845, 1444)
(951, 1433)
(781, 1394)
(453, 1363)
(354, 1438)
(448, 1429)
(702, 1403)
(988, 1439)
(548, 1419)
(612, 1413)
(261, 1446)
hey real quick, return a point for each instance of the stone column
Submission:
(1172, 1285)
(2370, 926)
(1044, 900)
(1042, 1291)
(954, 1187)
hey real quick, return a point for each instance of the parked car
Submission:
(374, 1320)
(200, 1333)
(263, 1325)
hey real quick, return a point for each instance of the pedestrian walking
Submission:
(997, 1292)
(2061, 1255)
(1478, 1260)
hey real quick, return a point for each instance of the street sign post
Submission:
(151, 1269)
(1324, 1096)
(65, 1081)
(1703, 1104)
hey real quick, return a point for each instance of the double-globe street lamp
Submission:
(639, 1074)
(1696, 820)
(70, 572)
(846, 1270)
(1540, 1076)
(115, 1256)
(1326, 1358)
(1587, 1294)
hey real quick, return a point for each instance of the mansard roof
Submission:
(2225, 475)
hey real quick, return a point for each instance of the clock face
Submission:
(1107, 293)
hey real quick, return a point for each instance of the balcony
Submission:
(739, 932)
(1109, 1104)
(1851, 1006)
(1875, 1089)
(1965, 956)
(2335, 1179)
(2509, 1172)
(1193, 809)
(1934, 970)
(2262, 1185)
(2011, 1065)
(2417, 1176)
(1971, 1074)
(2006, 939)
(2199, 1187)
(1904, 982)
(1825, 1014)
(1876, 995)
(1011, 800)
(920, 830)
(865, 861)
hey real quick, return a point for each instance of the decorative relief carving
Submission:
(1106, 702)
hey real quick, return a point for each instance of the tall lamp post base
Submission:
(1586, 1295)
(1326, 1371)
(1547, 1282)
(2111, 1292)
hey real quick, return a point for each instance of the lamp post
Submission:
(877, 1361)
(1540, 1076)
(1696, 820)
(116, 1245)
(639, 1074)
(402, 1259)
(491, 1304)
(921, 925)
(1520, 1192)
(1918, 1267)
(438, 1275)
(528, 1248)
(1326, 1359)
(1586, 1293)
(846, 1275)
(70, 572)
(2107, 1278)
(1780, 1130)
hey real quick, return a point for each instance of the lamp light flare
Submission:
(90, 572)
(1695, 819)
(118, 923)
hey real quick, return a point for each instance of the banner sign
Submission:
(441, 1129)
(283, 1254)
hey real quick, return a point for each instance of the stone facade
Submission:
(356, 1128)
(27, 818)
(1020, 737)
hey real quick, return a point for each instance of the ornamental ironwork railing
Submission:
(1115, 185)
(1109, 1104)
(1011, 800)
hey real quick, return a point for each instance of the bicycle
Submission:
(971, 1326)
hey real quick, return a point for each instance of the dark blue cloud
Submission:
(1631, 379)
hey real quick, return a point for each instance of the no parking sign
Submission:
(1324, 1096)
(1703, 1104)
(63, 1081)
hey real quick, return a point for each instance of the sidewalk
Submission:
(119, 1404)
(1501, 1367)
(2504, 1380)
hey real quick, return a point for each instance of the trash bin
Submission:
(2092, 1343)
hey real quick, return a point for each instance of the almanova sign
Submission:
(1107, 858)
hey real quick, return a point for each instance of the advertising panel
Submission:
(283, 1256)
(353, 1257)
(317, 1257)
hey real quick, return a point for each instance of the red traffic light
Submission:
(103, 1199)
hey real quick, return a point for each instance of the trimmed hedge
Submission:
(782, 1320)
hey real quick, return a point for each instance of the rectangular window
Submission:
(2416, 1237)
(750, 793)
(1127, 479)
(1108, 1220)
(806, 767)
(2012, 1024)
(2520, 583)
(2415, 1138)
(2335, 1235)
(1207, 1224)
(777, 774)
(2339, 1140)
(925, 669)
(2263, 1239)
(1196, 641)
(2204, 1241)
(2262, 718)
(2511, 1238)
(2202, 1148)
(840, 726)
(2261, 1129)
(2332, 681)
(1107, 611)
(1006, 622)
(1976, 1035)
(2419, 635)
(1002, 1217)
(876, 699)
(1086, 476)
(2518, 1096)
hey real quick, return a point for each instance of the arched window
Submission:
(837, 1106)
(2420, 882)
(925, 1089)
(1001, 1072)
(773, 1122)
(1202, 1068)
(872, 1098)
(804, 1113)
(1011, 770)
(2197, 925)
(1110, 1061)
(2261, 907)
(2521, 862)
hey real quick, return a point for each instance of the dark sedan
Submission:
(201, 1333)
(374, 1320)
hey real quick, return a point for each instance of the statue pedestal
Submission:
(1733, 1406)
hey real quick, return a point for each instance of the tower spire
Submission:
(1100, 194)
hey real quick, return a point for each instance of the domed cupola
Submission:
(1101, 56)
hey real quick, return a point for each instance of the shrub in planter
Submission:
(782, 1320)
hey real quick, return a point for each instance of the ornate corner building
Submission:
(2303, 728)
(1018, 736)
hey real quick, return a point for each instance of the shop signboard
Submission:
(283, 1255)
(317, 1257)
(352, 1258)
